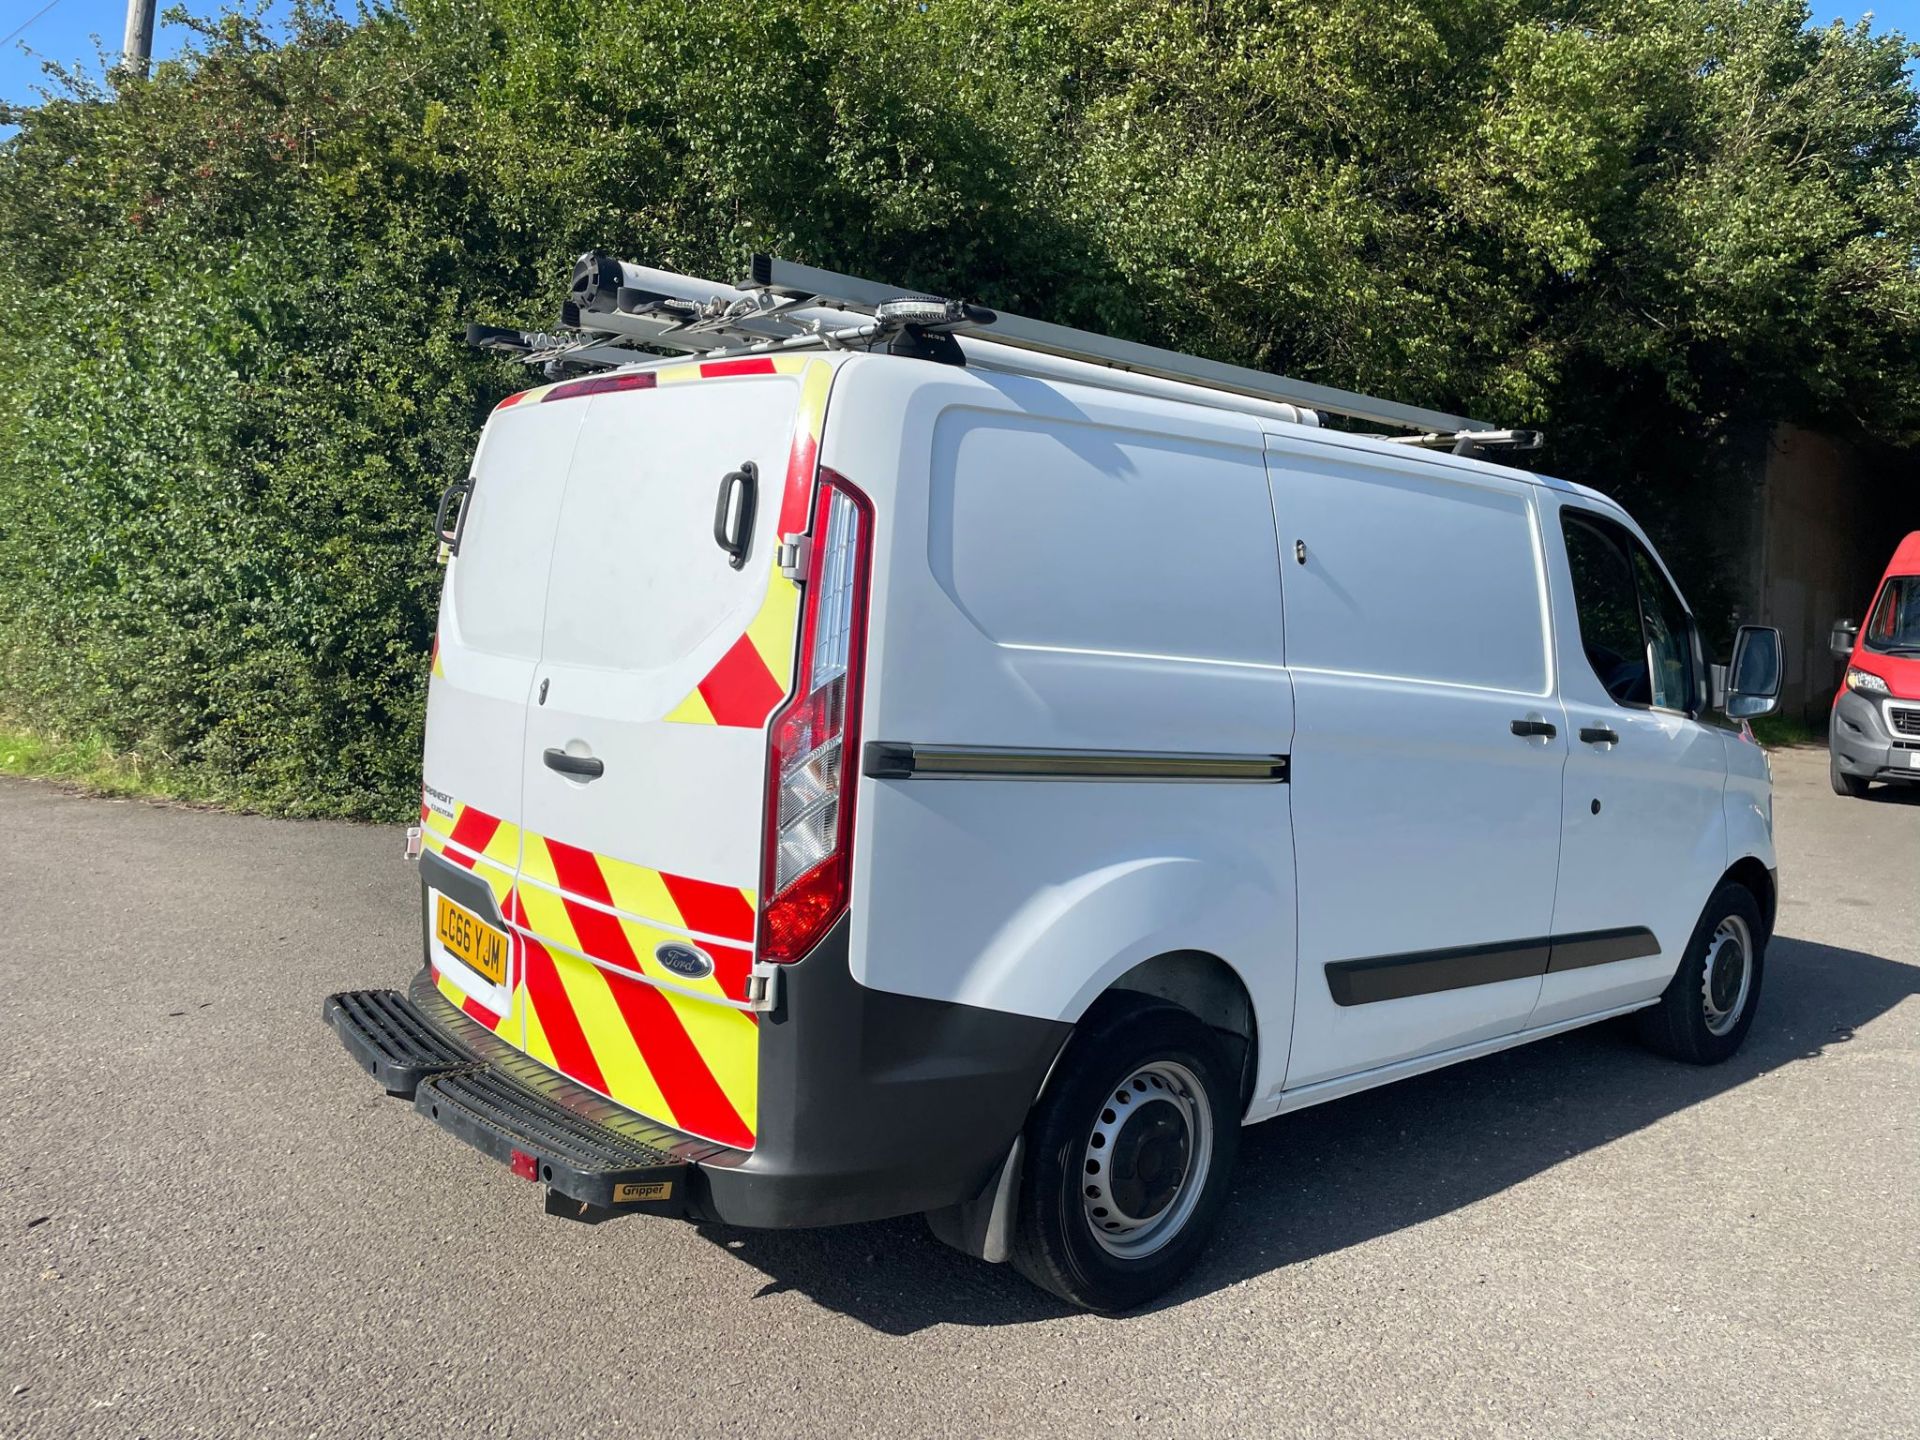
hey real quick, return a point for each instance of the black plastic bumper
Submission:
(1862, 745)
(870, 1104)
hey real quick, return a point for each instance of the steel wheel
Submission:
(1146, 1159)
(1727, 976)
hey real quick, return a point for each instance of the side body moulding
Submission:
(1426, 972)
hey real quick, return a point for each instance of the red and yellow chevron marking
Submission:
(751, 679)
(434, 667)
(506, 1026)
(488, 846)
(672, 1054)
(680, 1059)
(476, 841)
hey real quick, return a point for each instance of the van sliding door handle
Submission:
(1599, 735)
(585, 767)
(1532, 727)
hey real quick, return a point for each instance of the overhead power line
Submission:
(21, 29)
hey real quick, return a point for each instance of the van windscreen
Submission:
(1894, 626)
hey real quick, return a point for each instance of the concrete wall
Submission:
(1826, 518)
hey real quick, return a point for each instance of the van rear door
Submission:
(485, 650)
(663, 654)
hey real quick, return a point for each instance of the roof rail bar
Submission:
(804, 282)
(614, 306)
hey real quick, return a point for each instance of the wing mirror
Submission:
(1840, 640)
(1755, 673)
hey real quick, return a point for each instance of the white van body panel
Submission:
(1064, 568)
(1644, 839)
(1417, 632)
(1748, 802)
(485, 652)
(1074, 569)
(676, 796)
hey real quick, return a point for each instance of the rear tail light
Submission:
(813, 744)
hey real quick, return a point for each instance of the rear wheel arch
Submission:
(1207, 987)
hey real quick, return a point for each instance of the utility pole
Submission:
(136, 52)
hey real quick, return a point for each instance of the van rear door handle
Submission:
(586, 767)
(733, 521)
(1599, 735)
(1535, 727)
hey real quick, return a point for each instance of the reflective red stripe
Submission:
(730, 968)
(474, 829)
(480, 1012)
(699, 1104)
(740, 690)
(795, 499)
(753, 365)
(562, 1027)
(711, 909)
(691, 1092)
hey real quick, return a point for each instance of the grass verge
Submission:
(1774, 731)
(89, 764)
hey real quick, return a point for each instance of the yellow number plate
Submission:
(476, 943)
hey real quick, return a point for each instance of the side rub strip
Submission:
(889, 760)
(1424, 972)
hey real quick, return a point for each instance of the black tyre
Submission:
(1843, 783)
(1128, 1155)
(1709, 1004)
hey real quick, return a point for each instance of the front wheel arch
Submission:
(1757, 878)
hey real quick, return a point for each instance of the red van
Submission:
(1875, 730)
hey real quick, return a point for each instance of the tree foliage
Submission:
(231, 295)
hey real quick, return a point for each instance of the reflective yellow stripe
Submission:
(729, 1043)
(605, 1028)
(772, 631)
(691, 711)
(640, 891)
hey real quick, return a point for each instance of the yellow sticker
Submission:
(632, 1193)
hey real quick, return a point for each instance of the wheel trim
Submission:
(1726, 979)
(1145, 1161)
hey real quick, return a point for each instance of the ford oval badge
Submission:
(688, 961)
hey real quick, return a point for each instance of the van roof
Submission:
(668, 369)
(1906, 556)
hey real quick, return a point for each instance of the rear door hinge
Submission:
(792, 557)
(763, 987)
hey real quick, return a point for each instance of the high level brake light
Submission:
(813, 744)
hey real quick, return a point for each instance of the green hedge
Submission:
(231, 296)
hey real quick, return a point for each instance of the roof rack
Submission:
(614, 307)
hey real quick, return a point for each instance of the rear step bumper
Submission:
(870, 1104)
(585, 1149)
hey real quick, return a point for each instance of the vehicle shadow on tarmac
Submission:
(1895, 794)
(1342, 1173)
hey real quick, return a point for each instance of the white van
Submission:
(904, 773)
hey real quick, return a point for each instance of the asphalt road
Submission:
(212, 1224)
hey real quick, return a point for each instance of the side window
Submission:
(1608, 605)
(1668, 643)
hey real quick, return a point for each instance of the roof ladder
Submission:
(614, 307)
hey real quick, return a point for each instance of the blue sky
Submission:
(64, 32)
